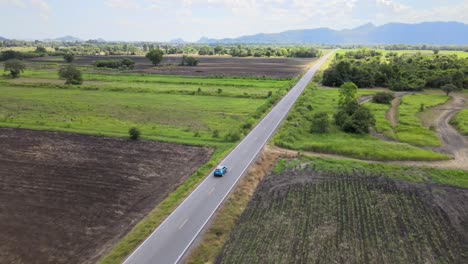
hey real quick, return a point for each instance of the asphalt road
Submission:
(168, 243)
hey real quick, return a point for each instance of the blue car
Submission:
(220, 171)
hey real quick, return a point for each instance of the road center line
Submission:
(182, 225)
(211, 191)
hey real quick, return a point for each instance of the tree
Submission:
(15, 67)
(69, 57)
(189, 61)
(41, 49)
(383, 98)
(134, 133)
(155, 56)
(449, 88)
(320, 123)
(71, 74)
(348, 93)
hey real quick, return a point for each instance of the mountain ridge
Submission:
(436, 33)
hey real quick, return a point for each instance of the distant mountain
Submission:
(68, 39)
(178, 41)
(3, 39)
(437, 33)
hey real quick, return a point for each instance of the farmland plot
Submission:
(68, 198)
(304, 216)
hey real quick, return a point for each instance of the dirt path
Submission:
(453, 143)
(392, 114)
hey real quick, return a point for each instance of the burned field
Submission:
(305, 216)
(209, 66)
(68, 198)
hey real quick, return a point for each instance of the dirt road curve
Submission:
(453, 142)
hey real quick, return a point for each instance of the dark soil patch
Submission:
(211, 66)
(68, 198)
(305, 216)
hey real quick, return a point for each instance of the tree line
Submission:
(405, 72)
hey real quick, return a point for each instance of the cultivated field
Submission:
(211, 66)
(68, 198)
(323, 213)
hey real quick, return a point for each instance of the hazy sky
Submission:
(162, 20)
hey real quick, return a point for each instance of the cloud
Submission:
(123, 4)
(16, 3)
(43, 7)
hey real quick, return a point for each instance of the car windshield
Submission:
(219, 168)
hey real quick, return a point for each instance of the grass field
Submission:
(410, 128)
(382, 125)
(459, 53)
(295, 133)
(460, 122)
(329, 212)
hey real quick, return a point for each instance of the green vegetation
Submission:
(369, 68)
(125, 64)
(155, 56)
(410, 128)
(455, 178)
(69, 57)
(134, 133)
(352, 117)
(333, 211)
(383, 98)
(189, 61)
(71, 74)
(382, 124)
(296, 132)
(460, 122)
(15, 67)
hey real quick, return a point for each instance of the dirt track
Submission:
(67, 198)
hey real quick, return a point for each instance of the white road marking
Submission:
(209, 193)
(182, 225)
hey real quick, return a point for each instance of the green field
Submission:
(295, 133)
(459, 53)
(460, 122)
(410, 128)
(328, 211)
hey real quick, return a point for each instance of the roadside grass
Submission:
(295, 133)
(226, 217)
(460, 122)
(410, 128)
(146, 226)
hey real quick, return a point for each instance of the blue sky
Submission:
(162, 20)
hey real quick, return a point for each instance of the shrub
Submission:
(354, 118)
(449, 88)
(233, 135)
(40, 49)
(215, 133)
(71, 74)
(189, 61)
(320, 123)
(383, 98)
(15, 67)
(220, 90)
(155, 56)
(69, 57)
(134, 133)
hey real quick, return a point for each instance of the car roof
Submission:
(219, 167)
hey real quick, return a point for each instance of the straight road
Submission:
(169, 242)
